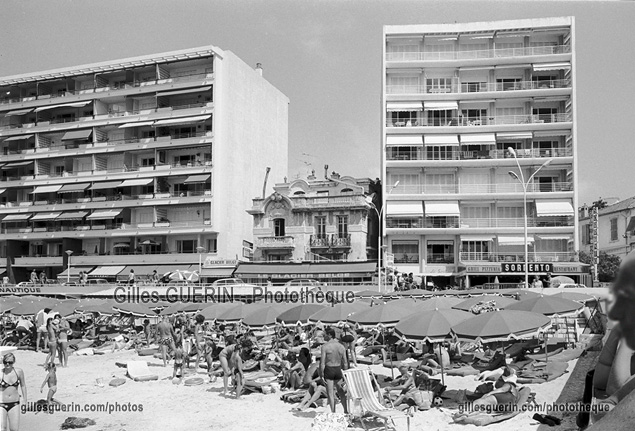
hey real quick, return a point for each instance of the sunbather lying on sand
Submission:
(502, 399)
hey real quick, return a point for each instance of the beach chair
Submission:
(359, 386)
(139, 371)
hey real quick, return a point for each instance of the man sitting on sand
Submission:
(316, 386)
(333, 362)
(165, 336)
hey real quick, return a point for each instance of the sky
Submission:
(326, 57)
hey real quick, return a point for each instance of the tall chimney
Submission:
(259, 68)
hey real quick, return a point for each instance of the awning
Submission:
(18, 112)
(440, 106)
(17, 217)
(141, 270)
(479, 139)
(105, 185)
(75, 135)
(105, 214)
(404, 140)
(449, 140)
(47, 189)
(106, 271)
(546, 133)
(77, 187)
(182, 120)
(196, 179)
(18, 138)
(137, 124)
(184, 91)
(561, 237)
(477, 237)
(404, 208)
(16, 165)
(2, 191)
(45, 216)
(554, 208)
(307, 270)
(514, 240)
(513, 136)
(484, 35)
(121, 245)
(442, 208)
(136, 182)
(631, 225)
(65, 105)
(542, 67)
(404, 106)
(72, 215)
(218, 272)
(74, 270)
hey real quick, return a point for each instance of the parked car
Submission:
(234, 286)
(97, 282)
(571, 285)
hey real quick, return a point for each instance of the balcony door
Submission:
(278, 227)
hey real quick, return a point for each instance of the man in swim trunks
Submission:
(333, 362)
(165, 336)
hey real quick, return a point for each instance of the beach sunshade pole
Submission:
(441, 361)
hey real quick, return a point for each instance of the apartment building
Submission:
(615, 228)
(330, 223)
(463, 105)
(142, 163)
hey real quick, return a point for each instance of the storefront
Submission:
(331, 273)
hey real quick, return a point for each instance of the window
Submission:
(475, 250)
(613, 222)
(342, 226)
(320, 227)
(545, 115)
(402, 84)
(440, 152)
(505, 84)
(440, 252)
(278, 227)
(510, 212)
(408, 183)
(323, 199)
(403, 52)
(186, 246)
(439, 183)
(439, 85)
(440, 118)
(147, 162)
(406, 251)
(586, 234)
(212, 245)
(476, 116)
(403, 118)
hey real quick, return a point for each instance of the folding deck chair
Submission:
(359, 386)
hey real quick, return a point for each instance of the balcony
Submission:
(551, 256)
(498, 120)
(517, 222)
(478, 54)
(330, 241)
(86, 226)
(479, 87)
(440, 258)
(276, 242)
(421, 153)
(354, 201)
(436, 189)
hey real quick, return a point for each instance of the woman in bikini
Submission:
(199, 334)
(231, 361)
(52, 329)
(10, 405)
(64, 330)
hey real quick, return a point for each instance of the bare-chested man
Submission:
(331, 366)
(165, 336)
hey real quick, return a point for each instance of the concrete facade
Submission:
(616, 228)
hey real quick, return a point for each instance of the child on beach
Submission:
(51, 379)
(178, 363)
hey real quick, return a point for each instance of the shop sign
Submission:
(531, 267)
(483, 269)
(569, 268)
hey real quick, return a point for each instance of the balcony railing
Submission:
(328, 201)
(122, 86)
(420, 153)
(551, 256)
(276, 242)
(86, 226)
(440, 258)
(330, 241)
(479, 54)
(482, 121)
(478, 87)
(453, 222)
(481, 188)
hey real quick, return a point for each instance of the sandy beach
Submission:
(178, 407)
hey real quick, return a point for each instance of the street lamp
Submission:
(200, 251)
(68, 269)
(369, 200)
(521, 178)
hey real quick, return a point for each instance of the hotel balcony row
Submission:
(489, 188)
(486, 256)
(450, 119)
(398, 54)
(114, 256)
(470, 152)
(475, 223)
(438, 86)
(315, 241)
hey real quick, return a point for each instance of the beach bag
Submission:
(330, 422)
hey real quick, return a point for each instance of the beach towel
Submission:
(564, 356)
(294, 397)
(541, 355)
(466, 370)
(541, 374)
(368, 360)
(482, 419)
(139, 371)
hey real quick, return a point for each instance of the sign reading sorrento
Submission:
(531, 267)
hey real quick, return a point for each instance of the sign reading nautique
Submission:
(531, 267)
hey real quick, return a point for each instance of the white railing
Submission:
(547, 256)
(478, 87)
(419, 153)
(276, 241)
(481, 188)
(478, 54)
(495, 120)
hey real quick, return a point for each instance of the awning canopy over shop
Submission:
(404, 140)
(554, 208)
(75, 135)
(553, 237)
(447, 140)
(514, 240)
(404, 106)
(440, 106)
(75, 270)
(442, 209)
(106, 271)
(222, 272)
(551, 133)
(307, 270)
(404, 208)
(477, 237)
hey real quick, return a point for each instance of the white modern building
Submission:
(142, 163)
(456, 98)
(615, 230)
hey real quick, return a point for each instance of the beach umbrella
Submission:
(213, 311)
(182, 275)
(502, 325)
(30, 307)
(500, 301)
(236, 314)
(298, 315)
(368, 294)
(192, 307)
(174, 308)
(101, 306)
(520, 294)
(561, 279)
(265, 317)
(418, 293)
(433, 326)
(547, 305)
(575, 296)
(337, 313)
(439, 303)
(8, 303)
(66, 308)
(478, 292)
(385, 315)
(139, 310)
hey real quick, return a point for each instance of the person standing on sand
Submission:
(51, 380)
(165, 336)
(64, 330)
(10, 405)
(334, 360)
